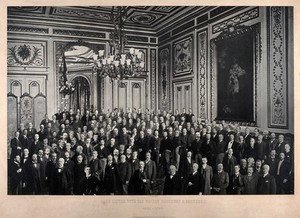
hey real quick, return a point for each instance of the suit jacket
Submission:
(172, 185)
(219, 147)
(266, 185)
(150, 169)
(220, 180)
(138, 186)
(206, 176)
(79, 176)
(14, 144)
(260, 149)
(229, 164)
(97, 168)
(283, 171)
(195, 188)
(250, 184)
(273, 165)
(63, 182)
(125, 171)
(196, 146)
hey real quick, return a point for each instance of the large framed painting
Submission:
(235, 56)
(182, 56)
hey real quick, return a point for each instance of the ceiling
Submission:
(152, 18)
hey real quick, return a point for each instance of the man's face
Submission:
(281, 156)
(273, 154)
(53, 157)
(195, 167)
(220, 138)
(236, 169)
(61, 162)
(258, 164)
(95, 154)
(148, 156)
(34, 157)
(281, 138)
(141, 165)
(197, 135)
(244, 163)
(250, 171)
(26, 152)
(18, 158)
(204, 161)
(172, 170)
(231, 137)
(265, 169)
(67, 155)
(79, 159)
(41, 153)
(273, 136)
(123, 158)
(134, 154)
(220, 167)
(36, 137)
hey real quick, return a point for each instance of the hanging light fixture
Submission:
(119, 64)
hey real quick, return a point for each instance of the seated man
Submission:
(172, 182)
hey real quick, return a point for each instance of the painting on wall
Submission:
(182, 57)
(235, 73)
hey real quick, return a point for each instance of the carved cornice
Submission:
(27, 29)
(78, 33)
(239, 19)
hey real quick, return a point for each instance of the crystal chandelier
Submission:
(119, 64)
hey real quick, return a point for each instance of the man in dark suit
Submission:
(272, 161)
(16, 146)
(266, 183)
(206, 175)
(193, 182)
(229, 162)
(79, 175)
(36, 145)
(96, 167)
(282, 175)
(125, 173)
(280, 145)
(15, 174)
(236, 182)
(34, 176)
(271, 143)
(140, 182)
(247, 136)
(260, 148)
(250, 182)
(150, 169)
(196, 148)
(62, 179)
(220, 181)
(172, 182)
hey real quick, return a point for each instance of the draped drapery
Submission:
(80, 99)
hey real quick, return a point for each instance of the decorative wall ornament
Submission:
(75, 12)
(235, 74)
(153, 76)
(143, 18)
(202, 66)
(165, 9)
(277, 67)
(26, 54)
(136, 85)
(12, 115)
(122, 85)
(26, 109)
(239, 19)
(78, 33)
(39, 109)
(163, 77)
(27, 29)
(182, 57)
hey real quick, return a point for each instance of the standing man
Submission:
(266, 183)
(220, 181)
(206, 176)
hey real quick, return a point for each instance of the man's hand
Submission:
(126, 182)
(285, 180)
(19, 170)
(144, 180)
(189, 184)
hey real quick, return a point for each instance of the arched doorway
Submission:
(80, 99)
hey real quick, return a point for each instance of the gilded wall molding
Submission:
(277, 67)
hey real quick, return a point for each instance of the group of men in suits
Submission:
(127, 153)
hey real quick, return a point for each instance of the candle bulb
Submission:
(99, 64)
(139, 55)
(123, 56)
(108, 61)
(95, 57)
(101, 53)
(112, 57)
(136, 51)
(122, 61)
(131, 50)
(128, 61)
(104, 61)
(117, 63)
(142, 64)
